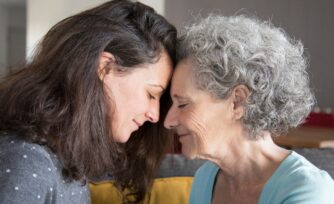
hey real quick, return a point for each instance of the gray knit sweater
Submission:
(31, 174)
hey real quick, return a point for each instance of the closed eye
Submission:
(150, 96)
(182, 105)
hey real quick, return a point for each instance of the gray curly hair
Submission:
(229, 51)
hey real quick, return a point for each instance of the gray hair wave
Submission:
(229, 51)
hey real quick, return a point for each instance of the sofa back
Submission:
(177, 165)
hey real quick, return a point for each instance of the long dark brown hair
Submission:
(57, 99)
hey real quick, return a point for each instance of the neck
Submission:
(245, 162)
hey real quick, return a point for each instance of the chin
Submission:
(122, 138)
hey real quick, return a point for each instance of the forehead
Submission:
(183, 76)
(163, 68)
(157, 72)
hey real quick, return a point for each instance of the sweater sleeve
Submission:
(25, 175)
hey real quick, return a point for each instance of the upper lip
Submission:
(182, 134)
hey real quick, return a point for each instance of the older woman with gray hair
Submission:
(238, 83)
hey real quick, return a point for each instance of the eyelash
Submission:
(150, 96)
(182, 105)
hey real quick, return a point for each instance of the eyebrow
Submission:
(179, 97)
(158, 85)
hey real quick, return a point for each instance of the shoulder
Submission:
(297, 168)
(26, 169)
(298, 180)
(16, 152)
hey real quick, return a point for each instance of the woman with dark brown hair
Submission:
(77, 110)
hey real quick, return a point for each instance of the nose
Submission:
(153, 113)
(171, 119)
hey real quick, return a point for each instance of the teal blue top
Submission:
(296, 180)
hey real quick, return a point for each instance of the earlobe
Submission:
(240, 95)
(106, 59)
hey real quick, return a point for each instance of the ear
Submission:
(106, 59)
(239, 96)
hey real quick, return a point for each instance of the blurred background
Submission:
(24, 22)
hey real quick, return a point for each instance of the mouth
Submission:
(182, 135)
(137, 123)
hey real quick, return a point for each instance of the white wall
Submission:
(17, 16)
(12, 35)
(3, 40)
(158, 5)
(308, 20)
(16, 31)
(43, 14)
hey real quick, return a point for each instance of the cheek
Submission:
(204, 132)
(138, 102)
(194, 146)
(194, 123)
(196, 127)
(131, 101)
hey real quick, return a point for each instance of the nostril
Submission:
(153, 120)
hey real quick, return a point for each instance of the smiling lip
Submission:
(138, 124)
